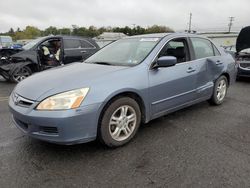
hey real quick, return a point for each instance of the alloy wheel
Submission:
(221, 90)
(21, 74)
(122, 123)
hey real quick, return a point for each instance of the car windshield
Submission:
(125, 52)
(31, 44)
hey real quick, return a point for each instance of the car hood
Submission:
(25, 54)
(243, 40)
(63, 78)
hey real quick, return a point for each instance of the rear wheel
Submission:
(120, 122)
(20, 74)
(220, 91)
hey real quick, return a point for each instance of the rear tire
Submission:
(119, 122)
(220, 91)
(20, 74)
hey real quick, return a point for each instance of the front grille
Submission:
(21, 101)
(245, 65)
(50, 130)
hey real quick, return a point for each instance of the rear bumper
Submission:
(60, 127)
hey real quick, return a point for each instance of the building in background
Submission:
(222, 38)
(108, 37)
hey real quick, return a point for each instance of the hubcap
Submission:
(221, 90)
(21, 75)
(122, 123)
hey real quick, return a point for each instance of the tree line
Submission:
(31, 32)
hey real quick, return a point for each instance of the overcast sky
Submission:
(207, 14)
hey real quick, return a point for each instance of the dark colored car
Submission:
(7, 52)
(243, 52)
(38, 54)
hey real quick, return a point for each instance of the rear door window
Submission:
(202, 48)
(72, 44)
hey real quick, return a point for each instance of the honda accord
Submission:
(129, 82)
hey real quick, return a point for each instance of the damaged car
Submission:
(131, 81)
(44, 53)
(243, 52)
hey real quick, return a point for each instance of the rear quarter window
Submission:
(216, 51)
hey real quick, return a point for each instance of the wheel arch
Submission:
(227, 76)
(129, 93)
(33, 66)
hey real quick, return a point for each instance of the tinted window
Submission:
(202, 48)
(86, 44)
(68, 43)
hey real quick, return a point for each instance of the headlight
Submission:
(63, 101)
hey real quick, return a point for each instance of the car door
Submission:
(72, 50)
(208, 61)
(172, 87)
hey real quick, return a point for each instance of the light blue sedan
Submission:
(128, 82)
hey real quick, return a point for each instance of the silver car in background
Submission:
(130, 81)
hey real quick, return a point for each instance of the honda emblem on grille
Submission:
(16, 99)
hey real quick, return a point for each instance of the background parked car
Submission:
(7, 48)
(5, 41)
(243, 52)
(32, 58)
(132, 80)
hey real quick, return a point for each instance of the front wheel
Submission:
(20, 74)
(220, 91)
(120, 122)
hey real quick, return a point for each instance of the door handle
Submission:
(83, 51)
(218, 62)
(190, 70)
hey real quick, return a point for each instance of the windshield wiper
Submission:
(101, 63)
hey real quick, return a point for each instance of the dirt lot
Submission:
(201, 146)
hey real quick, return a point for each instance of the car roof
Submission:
(64, 37)
(162, 35)
(153, 35)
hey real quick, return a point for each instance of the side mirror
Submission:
(165, 61)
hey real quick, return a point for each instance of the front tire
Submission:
(220, 91)
(120, 122)
(20, 74)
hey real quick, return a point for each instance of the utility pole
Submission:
(190, 23)
(231, 19)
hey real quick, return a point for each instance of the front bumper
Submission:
(244, 69)
(61, 127)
